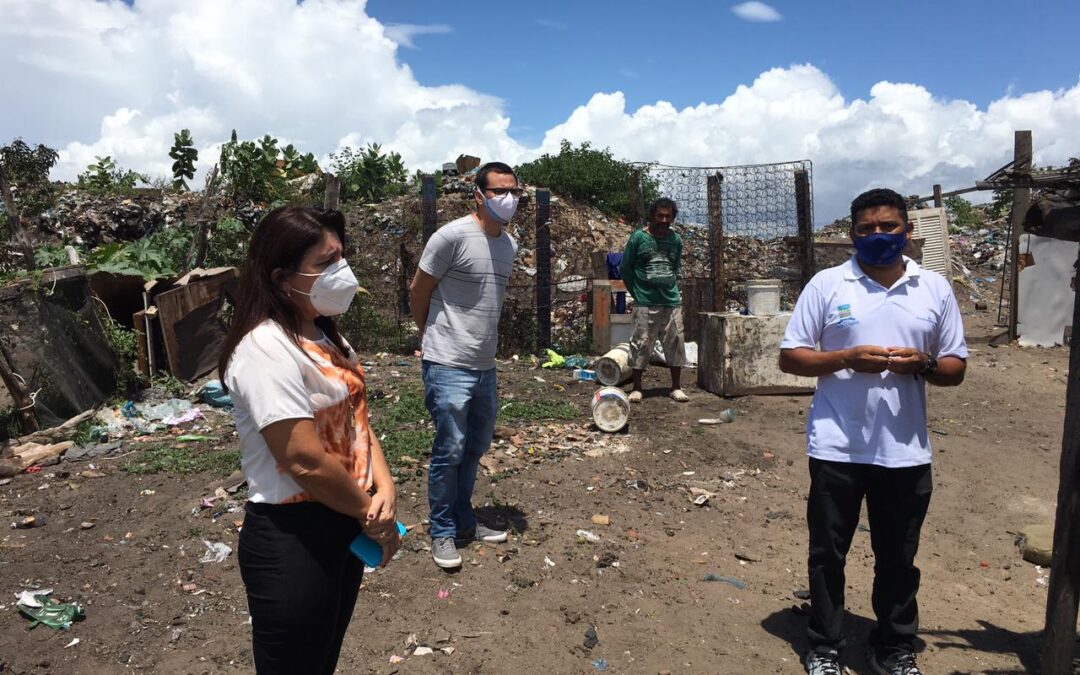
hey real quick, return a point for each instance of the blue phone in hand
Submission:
(368, 550)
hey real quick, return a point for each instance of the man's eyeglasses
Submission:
(500, 191)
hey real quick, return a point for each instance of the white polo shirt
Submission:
(873, 418)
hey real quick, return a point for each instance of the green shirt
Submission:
(650, 268)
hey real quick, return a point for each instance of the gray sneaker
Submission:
(822, 661)
(483, 533)
(897, 663)
(444, 553)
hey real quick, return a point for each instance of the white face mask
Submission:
(334, 290)
(501, 208)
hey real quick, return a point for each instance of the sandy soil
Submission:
(526, 606)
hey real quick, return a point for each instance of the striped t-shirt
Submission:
(473, 270)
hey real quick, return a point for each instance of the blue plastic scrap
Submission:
(737, 583)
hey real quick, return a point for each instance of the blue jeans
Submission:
(463, 404)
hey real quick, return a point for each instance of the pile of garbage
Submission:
(982, 246)
(90, 221)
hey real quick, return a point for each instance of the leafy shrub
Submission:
(962, 213)
(368, 175)
(27, 169)
(106, 178)
(260, 172)
(161, 254)
(184, 156)
(588, 175)
(228, 243)
(50, 255)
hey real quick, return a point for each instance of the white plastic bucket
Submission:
(763, 296)
(610, 409)
(614, 367)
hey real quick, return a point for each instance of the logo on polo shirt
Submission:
(846, 319)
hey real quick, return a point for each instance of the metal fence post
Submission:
(805, 216)
(543, 269)
(428, 204)
(716, 241)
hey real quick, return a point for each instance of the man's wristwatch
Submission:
(931, 366)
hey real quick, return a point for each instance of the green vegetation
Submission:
(183, 460)
(1001, 204)
(592, 176)
(369, 175)
(27, 169)
(261, 171)
(402, 424)
(962, 213)
(105, 178)
(184, 156)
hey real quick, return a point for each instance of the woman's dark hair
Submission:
(278, 246)
(663, 203)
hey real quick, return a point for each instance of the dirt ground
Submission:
(526, 606)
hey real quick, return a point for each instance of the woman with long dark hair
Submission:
(316, 473)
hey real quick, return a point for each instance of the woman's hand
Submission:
(383, 510)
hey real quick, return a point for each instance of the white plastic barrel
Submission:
(613, 368)
(763, 296)
(610, 409)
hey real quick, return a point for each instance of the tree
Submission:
(184, 156)
(27, 169)
(369, 175)
(260, 171)
(1001, 205)
(961, 212)
(104, 177)
(592, 176)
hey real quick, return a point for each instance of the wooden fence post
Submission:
(332, 196)
(1062, 596)
(716, 241)
(938, 201)
(19, 393)
(543, 269)
(1021, 201)
(637, 199)
(428, 200)
(805, 216)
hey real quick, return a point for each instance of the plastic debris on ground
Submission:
(215, 552)
(588, 536)
(600, 664)
(737, 583)
(213, 393)
(555, 360)
(41, 609)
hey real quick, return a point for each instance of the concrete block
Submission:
(739, 355)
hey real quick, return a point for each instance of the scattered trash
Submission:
(610, 409)
(215, 552)
(147, 493)
(41, 609)
(637, 484)
(746, 557)
(600, 519)
(214, 394)
(193, 438)
(74, 641)
(583, 375)
(600, 664)
(86, 525)
(394, 658)
(741, 585)
(28, 522)
(549, 562)
(423, 651)
(727, 415)
(554, 360)
(588, 536)
(4, 481)
(939, 432)
(606, 559)
(443, 594)
(591, 638)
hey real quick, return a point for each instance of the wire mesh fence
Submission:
(761, 227)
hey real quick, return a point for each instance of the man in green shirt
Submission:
(650, 270)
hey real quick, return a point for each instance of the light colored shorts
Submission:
(650, 324)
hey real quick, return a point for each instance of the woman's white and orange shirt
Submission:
(270, 379)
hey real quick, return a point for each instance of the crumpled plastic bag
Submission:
(41, 609)
(555, 360)
(215, 552)
(213, 392)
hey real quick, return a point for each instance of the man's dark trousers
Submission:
(896, 501)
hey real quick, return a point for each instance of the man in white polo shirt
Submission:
(874, 331)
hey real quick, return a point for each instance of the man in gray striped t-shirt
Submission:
(456, 298)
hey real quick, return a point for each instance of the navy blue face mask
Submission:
(880, 249)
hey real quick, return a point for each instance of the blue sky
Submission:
(546, 58)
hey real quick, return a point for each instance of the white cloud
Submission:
(403, 33)
(102, 78)
(756, 11)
